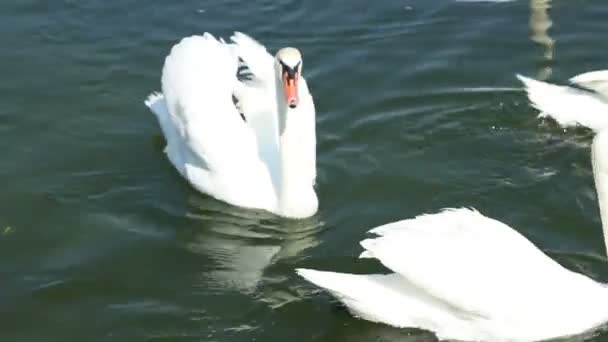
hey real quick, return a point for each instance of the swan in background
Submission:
(249, 141)
(585, 103)
(465, 276)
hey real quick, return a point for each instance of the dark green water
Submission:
(418, 109)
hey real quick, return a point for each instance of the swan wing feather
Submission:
(593, 80)
(207, 140)
(465, 259)
(567, 105)
(256, 58)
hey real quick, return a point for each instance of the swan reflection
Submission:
(540, 22)
(238, 245)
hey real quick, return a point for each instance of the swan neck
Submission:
(599, 160)
(297, 144)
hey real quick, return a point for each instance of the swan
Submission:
(585, 103)
(239, 123)
(465, 276)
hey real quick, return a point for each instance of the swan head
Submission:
(288, 64)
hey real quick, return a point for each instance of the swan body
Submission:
(585, 103)
(465, 276)
(249, 141)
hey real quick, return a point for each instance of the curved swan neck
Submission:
(599, 160)
(297, 143)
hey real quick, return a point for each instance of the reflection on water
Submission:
(414, 114)
(241, 243)
(540, 22)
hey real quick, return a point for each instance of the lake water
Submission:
(418, 109)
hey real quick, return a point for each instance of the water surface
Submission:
(418, 109)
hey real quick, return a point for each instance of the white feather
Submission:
(255, 56)
(593, 80)
(465, 276)
(571, 106)
(389, 299)
(208, 142)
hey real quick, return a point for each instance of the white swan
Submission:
(585, 103)
(468, 277)
(259, 153)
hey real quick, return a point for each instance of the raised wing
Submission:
(255, 57)
(256, 98)
(198, 80)
(467, 260)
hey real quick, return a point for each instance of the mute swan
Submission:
(465, 276)
(258, 153)
(584, 104)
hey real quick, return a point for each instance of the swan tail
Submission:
(382, 298)
(545, 97)
(334, 282)
(568, 106)
(362, 294)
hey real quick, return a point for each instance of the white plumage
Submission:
(469, 277)
(585, 103)
(251, 163)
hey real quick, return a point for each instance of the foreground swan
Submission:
(259, 153)
(585, 103)
(468, 277)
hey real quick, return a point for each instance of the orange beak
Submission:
(291, 90)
